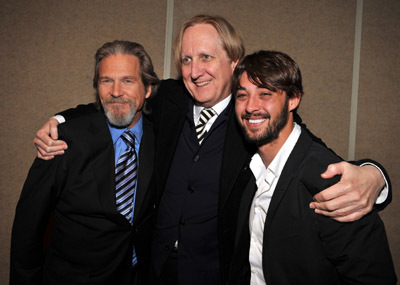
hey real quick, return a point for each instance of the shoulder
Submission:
(171, 89)
(315, 161)
(168, 84)
(81, 126)
(171, 92)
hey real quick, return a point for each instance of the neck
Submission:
(135, 119)
(270, 150)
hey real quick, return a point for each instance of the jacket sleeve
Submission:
(38, 199)
(316, 139)
(78, 111)
(359, 250)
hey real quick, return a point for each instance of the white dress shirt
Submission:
(218, 108)
(266, 179)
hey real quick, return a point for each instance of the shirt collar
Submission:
(257, 166)
(218, 108)
(137, 130)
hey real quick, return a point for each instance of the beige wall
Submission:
(47, 48)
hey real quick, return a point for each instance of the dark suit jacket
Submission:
(301, 247)
(169, 110)
(92, 243)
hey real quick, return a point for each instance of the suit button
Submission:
(191, 189)
(182, 224)
(167, 247)
(196, 158)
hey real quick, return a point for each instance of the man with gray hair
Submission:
(98, 191)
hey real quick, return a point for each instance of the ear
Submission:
(294, 102)
(233, 64)
(148, 92)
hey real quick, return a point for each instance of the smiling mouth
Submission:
(256, 121)
(201, 84)
(117, 103)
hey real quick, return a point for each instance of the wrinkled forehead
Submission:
(201, 35)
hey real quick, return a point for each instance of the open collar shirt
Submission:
(266, 179)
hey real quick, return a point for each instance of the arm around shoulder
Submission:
(359, 250)
(383, 186)
(78, 111)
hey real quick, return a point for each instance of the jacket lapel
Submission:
(102, 157)
(146, 164)
(296, 157)
(173, 116)
(244, 210)
(234, 157)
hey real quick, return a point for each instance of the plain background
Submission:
(47, 50)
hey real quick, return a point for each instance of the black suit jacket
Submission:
(169, 110)
(92, 243)
(301, 247)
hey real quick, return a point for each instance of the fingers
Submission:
(337, 190)
(39, 155)
(353, 196)
(48, 154)
(46, 151)
(345, 208)
(353, 216)
(335, 169)
(53, 123)
(47, 144)
(46, 141)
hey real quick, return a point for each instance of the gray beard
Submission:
(115, 117)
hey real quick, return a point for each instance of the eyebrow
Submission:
(258, 87)
(123, 77)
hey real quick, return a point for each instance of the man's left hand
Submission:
(353, 196)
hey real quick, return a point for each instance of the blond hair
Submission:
(231, 41)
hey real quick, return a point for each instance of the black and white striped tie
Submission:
(205, 115)
(125, 177)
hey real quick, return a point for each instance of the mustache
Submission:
(248, 116)
(117, 100)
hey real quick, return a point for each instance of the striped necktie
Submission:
(126, 176)
(205, 115)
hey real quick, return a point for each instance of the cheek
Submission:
(185, 72)
(239, 107)
(102, 94)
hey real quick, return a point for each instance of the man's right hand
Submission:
(46, 141)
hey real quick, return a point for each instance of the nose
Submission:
(116, 90)
(197, 69)
(253, 104)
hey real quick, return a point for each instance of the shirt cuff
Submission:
(385, 190)
(61, 119)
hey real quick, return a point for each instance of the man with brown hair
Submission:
(281, 240)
